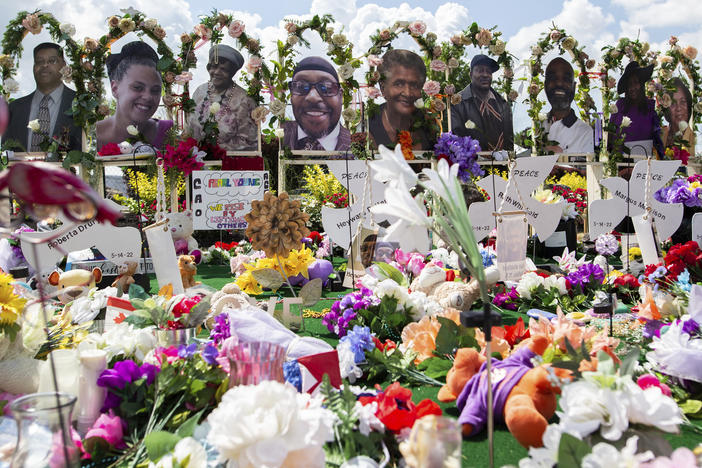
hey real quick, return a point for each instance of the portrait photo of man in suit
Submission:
(316, 98)
(48, 105)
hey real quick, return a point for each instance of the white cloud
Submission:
(661, 14)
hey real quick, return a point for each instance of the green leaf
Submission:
(137, 292)
(188, 427)
(159, 443)
(571, 451)
(391, 272)
(691, 407)
(269, 278)
(446, 339)
(311, 292)
(165, 63)
(435, 367)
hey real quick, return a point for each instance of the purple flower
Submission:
(149, 371)
(209, 354)
(462, 151)
(690, 327)
(221, 330)
(121, 374)
(506, 299)
(652, 328)
(585, 275)
(680, 192)
(186, 352)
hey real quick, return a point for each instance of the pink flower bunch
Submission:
(650, 380)
(110, 428)
(417, 28)
(432, 87)
(236, 28)
(412, 262)
(185, 157)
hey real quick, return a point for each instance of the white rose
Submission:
(470, 124)
(682, 125)
(346, 71)
(419, 103)
(542, 116)
(214, 108)
(349, 114)
(132, 130)
(292, 40)
(150, 23)
(67, 28)
(613, 109)
(279, 132)
(529, 282)
(277, 107)
(11, 86)
(626, 121)
(34, 125)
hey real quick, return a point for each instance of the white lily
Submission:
(392, 168)
(409, 211)
(443, 181)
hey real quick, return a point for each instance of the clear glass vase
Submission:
(44, 431)
(255, 362)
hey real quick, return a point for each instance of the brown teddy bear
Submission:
(523, 396)
(188, 270)
(125, 278)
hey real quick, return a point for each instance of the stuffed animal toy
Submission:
(188, 270)
(229, 296)
(126, 277)
(73, 283)
(181, 227)
(455, 294)
(523, 396)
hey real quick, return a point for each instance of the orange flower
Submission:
(421, 336)
(648, 308)
(498, 343)
(404, 138)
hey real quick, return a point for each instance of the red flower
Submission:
(396, 409)
(184, 306)
(109, 149)
(516, 333)
(316, 237)
(627, 281)
(450, 275)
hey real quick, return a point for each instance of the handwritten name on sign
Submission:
(528, 174)
(118, 244)
(629, 199)
(222, 198)
(336, 221)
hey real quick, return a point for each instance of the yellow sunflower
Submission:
(11, 305)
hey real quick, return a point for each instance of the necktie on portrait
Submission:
(310, 144)
(44, 121)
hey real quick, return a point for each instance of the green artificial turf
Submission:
(475, 449)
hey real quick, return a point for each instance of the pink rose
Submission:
(513, 95)
(690, 52)
(437, 65)
(183, 78)
(432, 87)
(508, 73)
(416, 263)
(90, 44)
(374, 60)
(450, 89)
(236, 28)
(417, 28)
(555, 35)
(672, 41)
(254, 64)
(203, 31)
(458, 39)
(290, 27)
(402, 257)
(159, 32)
(169, 77)
(384, 35)
(110, 428)
(32, 23)
(534, 89)
(372, 92)
(483, 37)
(650, 380)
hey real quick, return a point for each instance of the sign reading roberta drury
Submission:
(316, 98)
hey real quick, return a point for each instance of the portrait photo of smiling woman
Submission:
(237, 131)
(136, 86)
(315, 94)
(402, 76)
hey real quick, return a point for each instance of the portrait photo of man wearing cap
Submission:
(237, 129)
(644, 133)
(315, 94)
(402, 76)
(571, 134)
(48, 105)
(482, 113)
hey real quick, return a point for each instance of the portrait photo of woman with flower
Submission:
(136, 86)
(402, 77)
(222, 102)
(678, 116)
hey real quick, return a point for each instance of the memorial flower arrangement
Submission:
(294, 264)
(686, 191)
(462, 151)
(166, 311)
(184, 158)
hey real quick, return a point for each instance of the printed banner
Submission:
(222, 198)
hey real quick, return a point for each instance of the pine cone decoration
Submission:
(276, 224)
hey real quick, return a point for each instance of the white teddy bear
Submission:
(181, 227)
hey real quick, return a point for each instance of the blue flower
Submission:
(186, 352)
(683, 281)
(209, 354)
(360, 340)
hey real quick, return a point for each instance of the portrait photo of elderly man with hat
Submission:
(571, 134)
(316, 98)
(237, 129)
(644, 132)
(482, 113)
